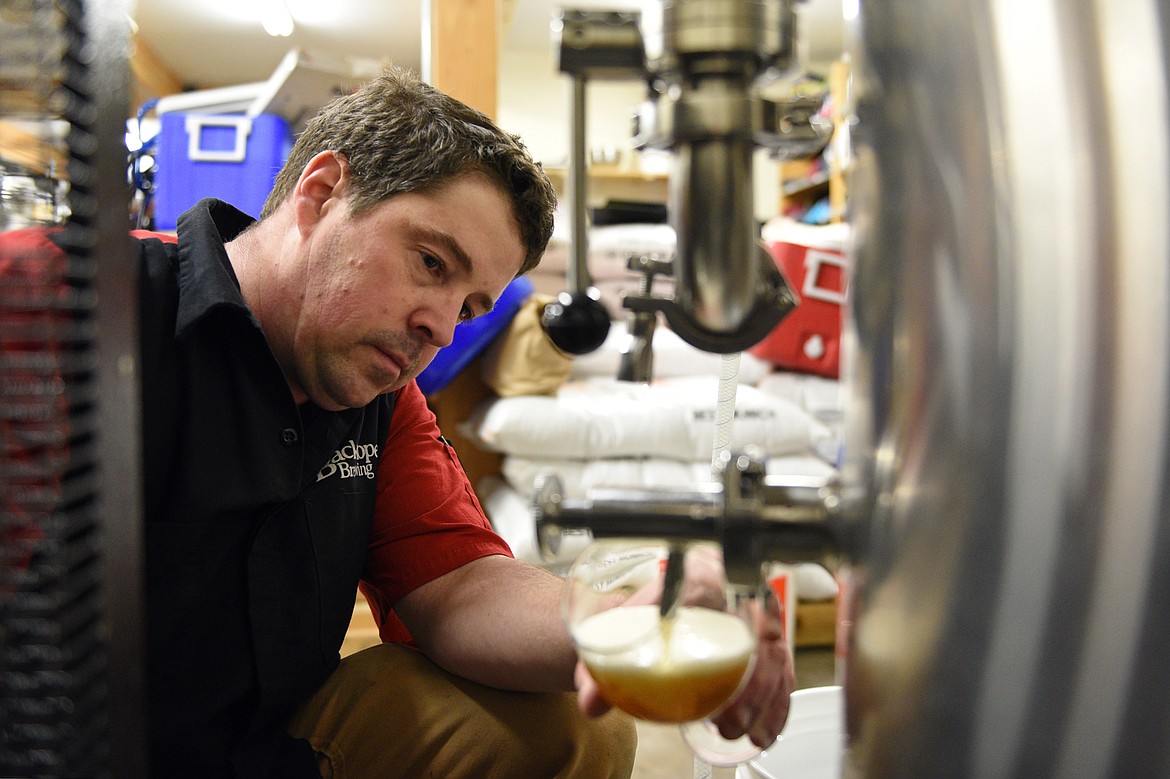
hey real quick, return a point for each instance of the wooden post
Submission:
(464, 38)
(151, 77)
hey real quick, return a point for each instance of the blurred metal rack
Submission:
(71, 675)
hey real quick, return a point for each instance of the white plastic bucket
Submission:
(811, 744)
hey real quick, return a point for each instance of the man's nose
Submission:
(436, 321)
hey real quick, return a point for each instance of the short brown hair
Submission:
(401, 135)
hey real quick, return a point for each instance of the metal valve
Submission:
(756, 518)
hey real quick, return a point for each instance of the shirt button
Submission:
(288, 436)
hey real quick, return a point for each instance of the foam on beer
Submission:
(673, 670)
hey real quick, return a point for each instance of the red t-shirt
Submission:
(427, 520)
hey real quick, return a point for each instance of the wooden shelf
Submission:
(609, 174)
(614, 182)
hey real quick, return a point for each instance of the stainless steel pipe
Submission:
(705, 59)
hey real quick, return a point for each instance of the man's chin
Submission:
(351, 398)
(355, 390)
(396, 385)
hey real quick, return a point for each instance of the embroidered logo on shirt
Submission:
(351, 461)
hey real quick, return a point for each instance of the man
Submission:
(289, 456)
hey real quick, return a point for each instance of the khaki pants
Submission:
(388, 711)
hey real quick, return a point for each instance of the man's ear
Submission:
(320, 187)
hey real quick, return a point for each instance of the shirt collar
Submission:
(206, 278)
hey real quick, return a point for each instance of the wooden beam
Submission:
(150, 76)
(464, 40)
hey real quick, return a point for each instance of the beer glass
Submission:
(665, 637)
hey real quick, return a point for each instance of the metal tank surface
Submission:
(1005, 474)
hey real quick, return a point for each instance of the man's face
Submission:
(384, 292)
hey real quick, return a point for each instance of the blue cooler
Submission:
(232, 157)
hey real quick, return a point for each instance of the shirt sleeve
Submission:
(427, 520)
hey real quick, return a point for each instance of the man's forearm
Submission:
(496, 621)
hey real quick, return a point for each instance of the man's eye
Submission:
(432, 262)
(466, 314)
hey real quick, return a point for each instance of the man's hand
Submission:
(761, 708)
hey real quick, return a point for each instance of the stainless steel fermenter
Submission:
(1009, 378)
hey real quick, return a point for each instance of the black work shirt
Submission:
(252, 561)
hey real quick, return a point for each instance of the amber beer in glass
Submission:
(675, 669)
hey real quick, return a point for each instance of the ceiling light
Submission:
(277, 21)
